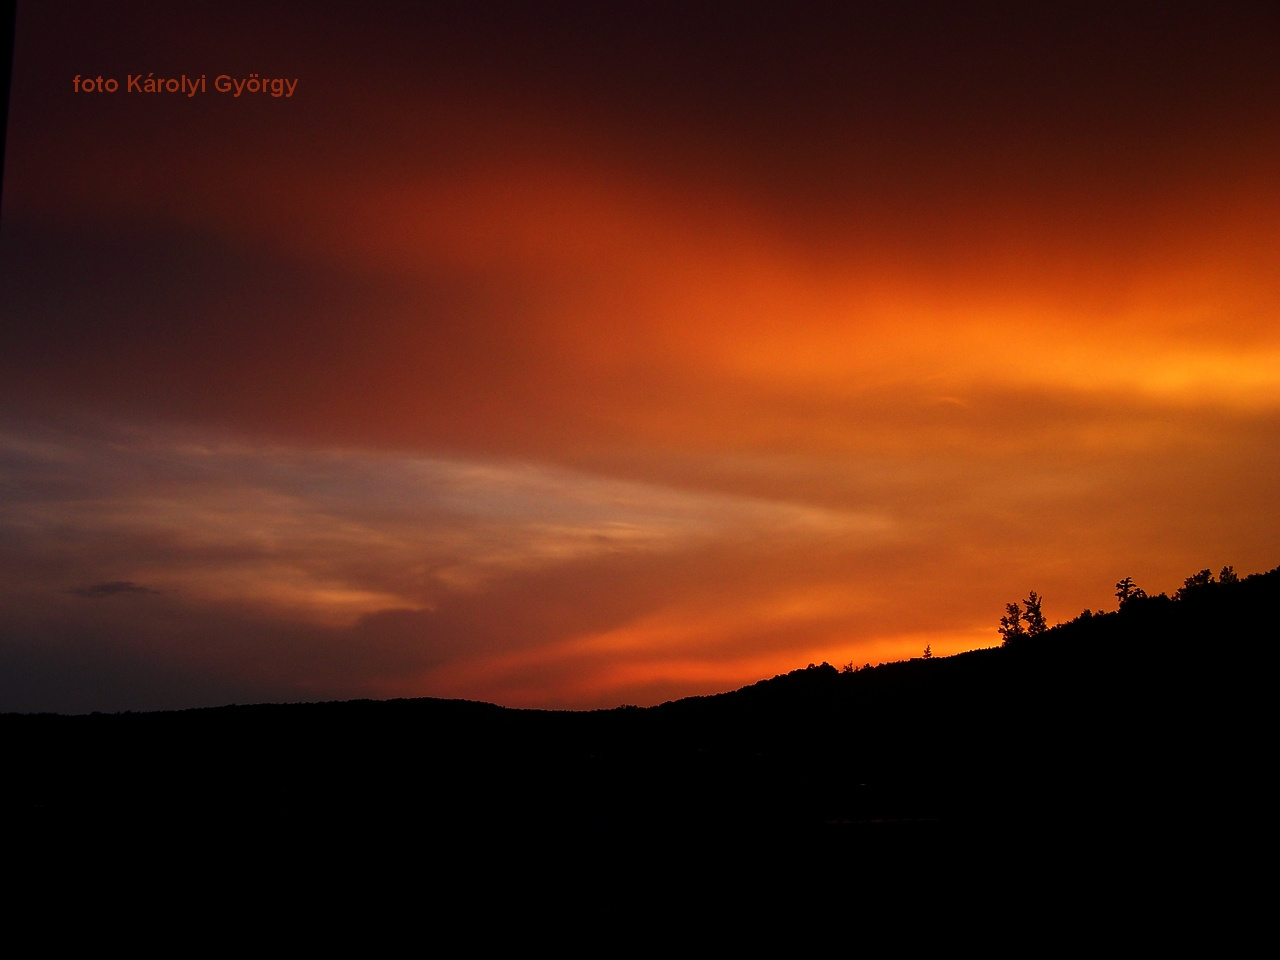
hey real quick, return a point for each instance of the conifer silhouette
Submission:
(1011, 624)
(1033, 615)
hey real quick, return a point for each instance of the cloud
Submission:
(363, 572)
(292, 572)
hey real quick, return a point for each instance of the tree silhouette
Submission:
(1033, 615)
(1228, 575)
(1197, 581)
(1011, 624)
(1127, 590)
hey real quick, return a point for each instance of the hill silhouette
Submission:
(1121, 735)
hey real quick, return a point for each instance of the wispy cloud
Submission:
(289, 572)
(333, 535)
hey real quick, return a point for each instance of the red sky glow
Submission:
(569, 356)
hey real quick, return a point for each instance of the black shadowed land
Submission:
(1115, 751)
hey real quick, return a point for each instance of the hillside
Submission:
(1127, 721)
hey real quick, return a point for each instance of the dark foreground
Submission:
(1107, 772)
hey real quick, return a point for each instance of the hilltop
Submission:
(1113, 728)
(1066, 700)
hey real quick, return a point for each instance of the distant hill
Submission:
(1126, 725)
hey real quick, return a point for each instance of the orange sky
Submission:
(602, 357)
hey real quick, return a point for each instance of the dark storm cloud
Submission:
(180, 323)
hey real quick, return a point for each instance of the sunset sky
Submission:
(579, 354)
